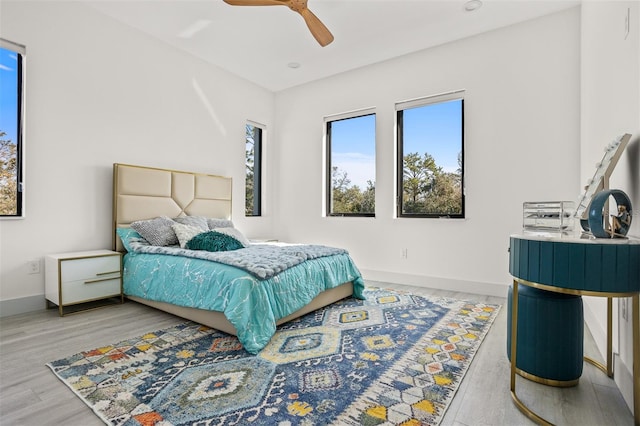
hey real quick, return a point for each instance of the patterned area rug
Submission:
(392, 359)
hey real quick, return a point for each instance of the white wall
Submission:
(610, 106)
(522, 120)
(98, 93)
(533, 132)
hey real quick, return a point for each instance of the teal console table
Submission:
(577, 266)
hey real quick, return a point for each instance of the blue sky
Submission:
(437, 130)
(353, 147)
(434, 128)
(8, 94)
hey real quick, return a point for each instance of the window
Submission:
(253, 162)
(11, 125)
(431, 156)
(351, 169)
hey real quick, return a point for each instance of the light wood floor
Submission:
(30, 394)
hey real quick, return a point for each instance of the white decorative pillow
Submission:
(156, 231)
(197, 221)
(233, 232)
(219, 223)
(185, 233)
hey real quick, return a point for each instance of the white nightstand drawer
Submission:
(90, 268)
(86, 290)
(79, 277)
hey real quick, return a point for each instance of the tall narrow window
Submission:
(11, 125)
(253, 162)
(431, 156)
(351, 165)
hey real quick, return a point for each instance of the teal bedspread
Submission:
(262, 260)
(252, 305)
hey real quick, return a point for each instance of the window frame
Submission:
(417, 103)
(258, 159)
(328, 159)
(21, 53)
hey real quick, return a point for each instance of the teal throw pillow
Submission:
(126, 234)
(213, 241)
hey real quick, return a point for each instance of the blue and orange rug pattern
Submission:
(392, 359)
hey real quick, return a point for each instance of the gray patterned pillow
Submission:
(186, 232)
(157, 232)
(197, 221)
(219, 223)
(235, 233)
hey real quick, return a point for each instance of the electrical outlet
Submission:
(33, 266)
(404, 253)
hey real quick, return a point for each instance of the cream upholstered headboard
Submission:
(141, 193)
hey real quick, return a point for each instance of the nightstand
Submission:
(78, 278)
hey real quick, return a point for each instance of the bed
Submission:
(218, 293)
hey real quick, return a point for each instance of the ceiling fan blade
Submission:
(317, 28)
(257, 2)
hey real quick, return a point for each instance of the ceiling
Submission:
(260, 43)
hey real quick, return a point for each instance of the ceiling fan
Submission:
(317, 28)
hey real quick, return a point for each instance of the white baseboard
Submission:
(475, 287)
(22, 305)
(35, 303)
(623, 377)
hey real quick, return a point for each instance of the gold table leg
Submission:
(514, 334)
(609, 336)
